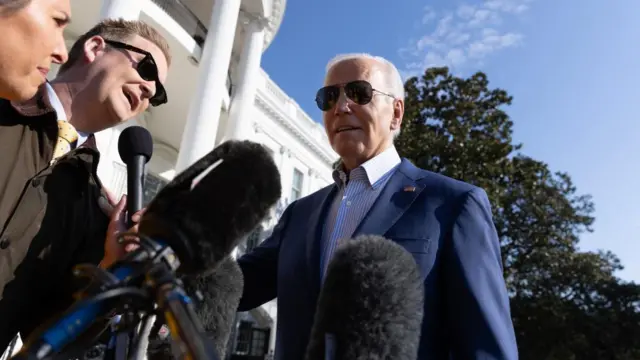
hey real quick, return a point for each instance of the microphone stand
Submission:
(121, 345)
(160, 290)
(184, 326)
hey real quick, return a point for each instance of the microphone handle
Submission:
(135, 180)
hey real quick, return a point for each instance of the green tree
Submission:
(566, 304)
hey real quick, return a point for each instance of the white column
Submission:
(126, 9)
(272, 335)
(248, 72)
(310, 181)
(286, 171)
(200, 131)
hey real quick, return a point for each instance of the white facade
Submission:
(207, 61)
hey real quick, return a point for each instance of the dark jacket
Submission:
(444, 223)
(50, 219)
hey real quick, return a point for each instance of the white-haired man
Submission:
(446, 224)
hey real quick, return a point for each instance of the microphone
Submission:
(219, 292)
(201, 215)
(135, 147)
(371, 304)
(211, 207)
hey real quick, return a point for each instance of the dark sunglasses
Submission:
(147, 69)
(359, 91)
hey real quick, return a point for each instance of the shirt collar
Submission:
(374, 169)
(62, 115)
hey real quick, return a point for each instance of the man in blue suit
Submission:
(446, 224)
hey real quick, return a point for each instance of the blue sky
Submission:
(572, 66)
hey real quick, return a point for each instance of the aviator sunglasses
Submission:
(359, 91)
(147, 69)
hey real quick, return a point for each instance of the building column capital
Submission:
(285, 151)
(253, 22)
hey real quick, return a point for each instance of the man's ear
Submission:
(398, 114)
(94, 47)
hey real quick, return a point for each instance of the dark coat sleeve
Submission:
(478, 313)
(260, 267)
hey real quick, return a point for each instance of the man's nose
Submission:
(148, 89)
(342, 105)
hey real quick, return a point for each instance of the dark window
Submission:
(152, 185)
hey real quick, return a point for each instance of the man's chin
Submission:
(349, 149)
(118, 115)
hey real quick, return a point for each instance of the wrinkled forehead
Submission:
(158, 55)
(355, 69)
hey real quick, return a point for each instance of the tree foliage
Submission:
(566, 304)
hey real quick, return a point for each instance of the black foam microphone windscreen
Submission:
(209, 208)
(220, 291)
(370, 305)
(133, 141)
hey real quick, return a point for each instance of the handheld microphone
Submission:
(202, 223)
(371, 304)
(135, 147)
(219, 292)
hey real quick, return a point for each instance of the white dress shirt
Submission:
(62, 115)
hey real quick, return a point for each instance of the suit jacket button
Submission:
(35, 182)
(4, 242)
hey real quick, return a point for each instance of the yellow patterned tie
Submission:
(67, 135)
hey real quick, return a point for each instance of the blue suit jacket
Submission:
(446, 225)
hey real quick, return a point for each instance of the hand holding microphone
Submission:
(113, 249)
(135, 147)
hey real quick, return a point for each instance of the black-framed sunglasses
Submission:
(358, 91)
(147, 69)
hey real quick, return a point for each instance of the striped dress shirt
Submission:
(357, 191)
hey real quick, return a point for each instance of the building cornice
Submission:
(284, 120)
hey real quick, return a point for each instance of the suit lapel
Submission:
(317, 215)
(396, 197)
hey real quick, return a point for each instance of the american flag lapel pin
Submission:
(409, 188)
